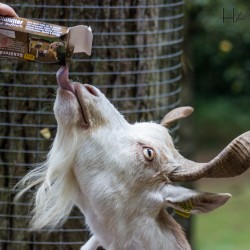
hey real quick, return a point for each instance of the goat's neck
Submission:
(162, 232)
(167, 223)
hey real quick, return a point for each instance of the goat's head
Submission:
(141, 155)
(98, 154)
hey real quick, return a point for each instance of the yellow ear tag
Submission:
(187, 206)
(185, 215)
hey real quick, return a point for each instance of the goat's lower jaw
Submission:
(83, 106)
(85, 123)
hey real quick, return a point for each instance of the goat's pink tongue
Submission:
(62, 77)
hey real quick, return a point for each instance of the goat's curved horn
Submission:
(232, 161)
(176, 114)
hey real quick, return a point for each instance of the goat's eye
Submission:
(149, 153)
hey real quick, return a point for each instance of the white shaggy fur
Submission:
(116, 173)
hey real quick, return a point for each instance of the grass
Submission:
(228, 227)
(217, 122)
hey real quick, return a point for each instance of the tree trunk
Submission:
(135, 62)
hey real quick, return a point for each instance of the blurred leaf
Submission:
(45, 132)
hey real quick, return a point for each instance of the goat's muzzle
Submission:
(85, 94)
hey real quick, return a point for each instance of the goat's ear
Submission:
(176, 114)
(186, 201)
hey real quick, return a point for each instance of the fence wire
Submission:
(136, 62)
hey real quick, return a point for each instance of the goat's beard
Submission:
(57, 188)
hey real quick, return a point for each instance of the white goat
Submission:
(122, 176)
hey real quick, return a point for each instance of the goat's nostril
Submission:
(91, 90)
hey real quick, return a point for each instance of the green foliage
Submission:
(219, 120)
(220, 50)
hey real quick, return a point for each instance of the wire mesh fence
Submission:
(135, 62)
